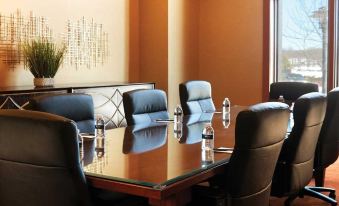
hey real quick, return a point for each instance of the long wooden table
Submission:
(154, 162)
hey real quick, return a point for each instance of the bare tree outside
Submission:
(303, 41)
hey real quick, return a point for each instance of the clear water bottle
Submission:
(292, 107)
(207, 157)
(178, 114)
(226, 120)
(291, 119)
(100, 147)
(100, 127)
(226, 107)
(178, 127)
(207, 138)
(281, 99)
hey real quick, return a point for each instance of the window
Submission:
(300, 41)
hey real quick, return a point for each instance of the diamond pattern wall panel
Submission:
(108, 102)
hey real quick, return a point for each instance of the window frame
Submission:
(270, 64)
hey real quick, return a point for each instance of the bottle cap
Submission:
(226, 102)
(99, 116)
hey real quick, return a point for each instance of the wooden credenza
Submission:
(107, 97)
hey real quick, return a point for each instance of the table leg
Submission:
(179, 199)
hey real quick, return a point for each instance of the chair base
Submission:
(316, 193)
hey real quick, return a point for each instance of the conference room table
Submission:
(153, 161)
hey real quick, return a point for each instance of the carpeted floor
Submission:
(332, 180)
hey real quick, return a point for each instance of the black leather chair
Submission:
(39, 161)
(294, 169)
(259, 136)
(145, 106)
(77, 107)
(196, 97)
(328, 144)
(291, 91)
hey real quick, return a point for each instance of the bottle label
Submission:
(207, 136)
(226, 105)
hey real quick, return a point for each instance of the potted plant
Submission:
(43, 58)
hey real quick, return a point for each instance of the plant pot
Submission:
(43, 82)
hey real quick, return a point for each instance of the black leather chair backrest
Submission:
(144, 106)
(291, 90)
(328, 144)
(295, 167)
(196, 97)
(259, 135)
(39, 160)
(77, 107)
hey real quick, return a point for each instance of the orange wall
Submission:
(163, 41)
(215, 40)
(230, 49)
(153, 42)
(183, 48)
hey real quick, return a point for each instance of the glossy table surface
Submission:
(153, 155)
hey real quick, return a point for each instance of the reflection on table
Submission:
(150, 155)
(143, 138)
(193, 126)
